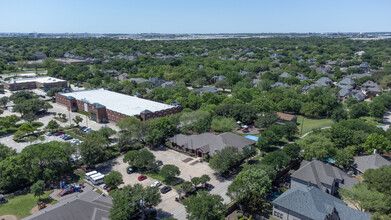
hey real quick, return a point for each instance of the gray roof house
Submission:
(374, 161)
(301, 77)
(206, 89)
(371, 88)
(122, 77)
(82, 207)
(285, 75)
(215, 79)
(350, 93)
(138, 80)
(244, 73)
(311, 203)
(323, 176)
(279, 84)
(208, 143)
(168, 84)
(157, 80)
(346, 83)
(324, 81)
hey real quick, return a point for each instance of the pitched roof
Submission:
(286, 117)
(373, 161)
(285, 75)
(206, 89)
(316, 204)
(371, 86)
(324, 81)
(302, 77)
(210, 143)
(319, 173)
(168, 84)
(279, 84)
(346, 83)
(83, 207)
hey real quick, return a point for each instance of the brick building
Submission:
(103, 105)
(34, 83)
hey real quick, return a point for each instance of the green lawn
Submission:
(21, 205)
(310, 124)
(70, 133)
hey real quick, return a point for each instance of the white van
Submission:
(97, 179)
(89, 174)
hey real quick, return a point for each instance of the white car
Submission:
(156, 184)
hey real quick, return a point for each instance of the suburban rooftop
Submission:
(45, 79)
(127, 105)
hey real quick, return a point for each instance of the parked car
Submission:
(130, 170)
(58, 133)
(48, 134)
(165, 189)
(142, 177)
(68, 137)
(156, 184)
(89, 130)
(159, 163)
(83, 128)
(62, 136)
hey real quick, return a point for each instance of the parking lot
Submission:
(189, 166)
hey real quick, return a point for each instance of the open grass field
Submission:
(310, 124)
(20, 206)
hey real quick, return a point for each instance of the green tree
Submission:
(94, 149)
(187, 186)
(378, 142)
(205, 206)
(169, 172)
(195, 181)
(6, 152)
(143, 159)
(379, 179)
(266, 120)
(113, 179)
(250, 184)
(77, 120)
(292, 150)
(204, 179)
(52, 125)
(127, 202)
(9, 121)
(38, 188)
(12, 174)
(358, 110)
(339, 114)
(343, 158)
(222, 84)
(223, 124)
(30, 117)
(225, 159)
(277, 159)
(316, 146)
(290, 130)
(4, 101)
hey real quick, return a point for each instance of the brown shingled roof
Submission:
(286, 117)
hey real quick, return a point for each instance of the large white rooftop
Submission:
(38, 79)
(128, 105)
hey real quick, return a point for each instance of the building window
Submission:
(278, 215)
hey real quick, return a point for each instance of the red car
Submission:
(142, 177)
(58, 133)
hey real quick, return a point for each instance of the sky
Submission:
(194, 16)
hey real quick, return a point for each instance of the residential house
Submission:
(244, 73)
(344, 93)
(308, 87)
(321, 175)
(301, 77)
(256, 81)
(215, 79)
(371, 88)
(324, 81)
(287, 117)
(211, 89)
(285, 75)
(122, 77)
(346, 83)
(208, 143)
(279, 84)
(157, 80)
(311, 203)
(358, 75)
(175, 103)
(365, 66)
(138, 80)
(374, 161)
(169, 84)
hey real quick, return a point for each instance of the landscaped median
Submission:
(20, 206)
